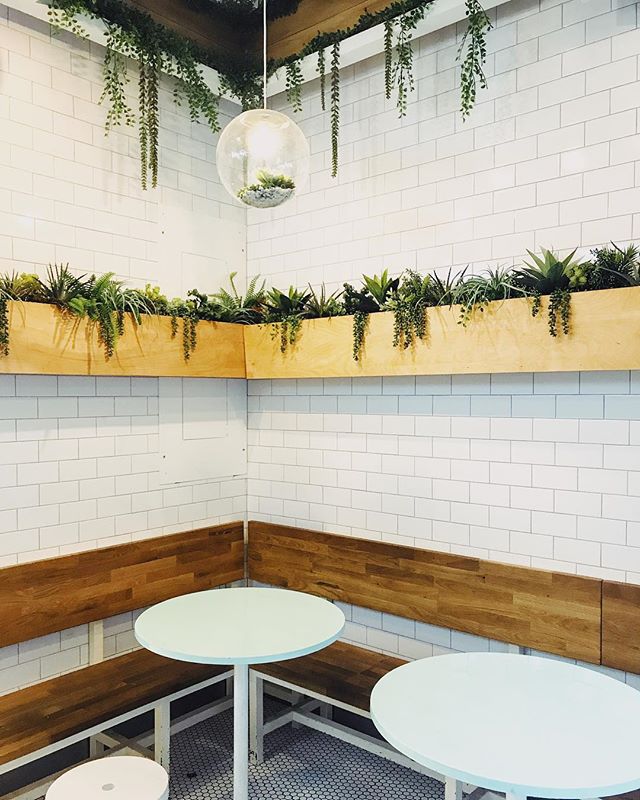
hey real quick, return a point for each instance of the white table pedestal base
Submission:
(240, 732)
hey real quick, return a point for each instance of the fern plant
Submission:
(231, 306)
(285, 311)
(549, 275)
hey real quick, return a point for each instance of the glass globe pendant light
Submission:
(262, 155)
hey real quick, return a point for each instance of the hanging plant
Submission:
(409, 306)
(474, 49)
(4, 326)
(388, 58)
(131, 33)
(322, 72)
(402, 72)
(335, 107)
(360, 304)
(294, 85)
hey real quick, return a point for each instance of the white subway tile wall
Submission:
(79, 469)
(539, 470)
(70, 194)
(547, 158)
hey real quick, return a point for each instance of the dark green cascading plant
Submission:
(132, 34)
(400, 20)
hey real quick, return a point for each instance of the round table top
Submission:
(115, 778)
(239, 626)
(513, 723)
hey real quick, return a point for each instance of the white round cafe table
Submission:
(113, 778)
(518, 724)
(240, 626)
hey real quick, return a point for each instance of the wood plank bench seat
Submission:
(52, 595)
(58, 709)
(344, 672)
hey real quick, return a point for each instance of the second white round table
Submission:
(522, 725)
(240, 626)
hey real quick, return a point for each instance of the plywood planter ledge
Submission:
(604, 335)
(44, 340)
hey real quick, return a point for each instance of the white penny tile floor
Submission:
(300, 764)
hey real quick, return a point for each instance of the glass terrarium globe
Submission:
(262, 158)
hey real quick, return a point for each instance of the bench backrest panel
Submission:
(57, 593)
(549, 611)
(621, 625)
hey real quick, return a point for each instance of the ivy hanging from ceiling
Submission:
(399, 22)
(133, 34)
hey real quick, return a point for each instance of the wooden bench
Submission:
(523, 607)
(47, 596)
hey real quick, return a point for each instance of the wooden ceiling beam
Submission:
(288, 35)
(204, 28)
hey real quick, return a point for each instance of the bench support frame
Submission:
(303, 713)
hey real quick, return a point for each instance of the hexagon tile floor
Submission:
(300, 764)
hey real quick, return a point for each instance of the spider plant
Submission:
(321, 304)
(231, 306)
(612, 268)
(286, 311)
(20, 286)
(549, 275)
(477, 291)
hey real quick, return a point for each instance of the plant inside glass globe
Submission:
(269, 191)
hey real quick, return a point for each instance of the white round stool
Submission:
(113, 778)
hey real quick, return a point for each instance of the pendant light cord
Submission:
(264, 51)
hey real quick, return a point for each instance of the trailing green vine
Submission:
(335, 107)
(402, 73)
(322, 72)
(388, 58)
(474, 49)
(4, 326)
(131, 33)
(294, 81)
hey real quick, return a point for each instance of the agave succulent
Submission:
(549, 275)
(321, 304)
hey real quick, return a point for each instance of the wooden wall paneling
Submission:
(621, 626)
(57, 593)
(548, 611)
(288, 35)
(206, 28)
(45, 341)
(504, 338)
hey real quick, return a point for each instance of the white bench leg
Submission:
(162, 733)
(452, 789)
(256, 718)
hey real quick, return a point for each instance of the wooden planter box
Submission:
(43, 340)
(605, 335)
